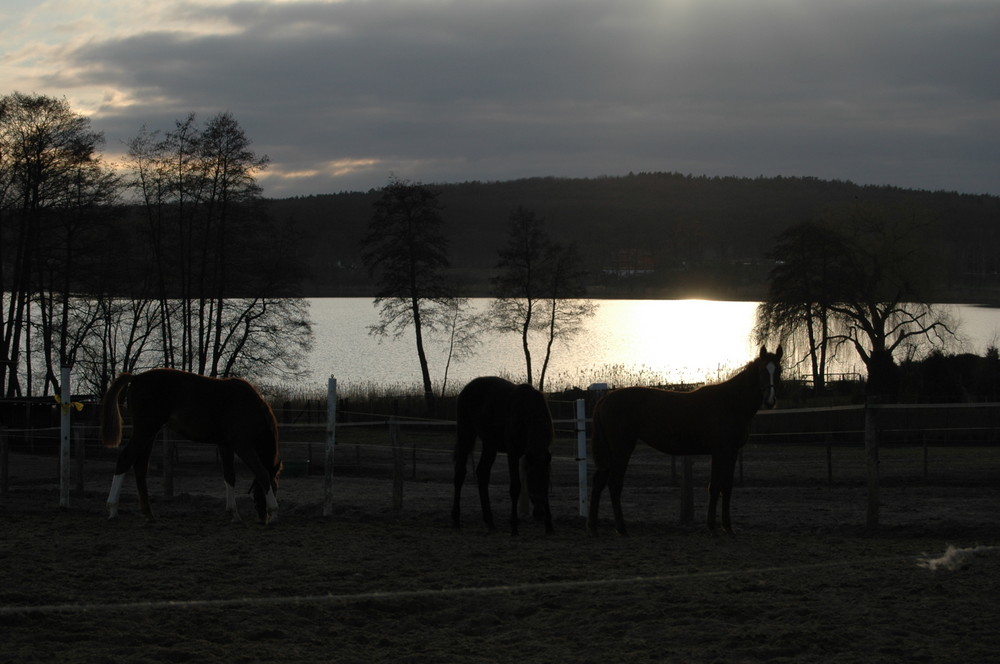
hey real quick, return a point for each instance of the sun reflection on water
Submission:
(669, 341)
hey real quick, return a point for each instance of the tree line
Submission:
(167, 259)
(173, 258)
(538, 287)
(654, 235)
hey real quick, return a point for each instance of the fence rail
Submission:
(928, 443)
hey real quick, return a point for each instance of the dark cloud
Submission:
(899, 92)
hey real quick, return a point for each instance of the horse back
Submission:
(482, 412)
(529, 422)
(669, 421)
(504, 415)
(204, 409)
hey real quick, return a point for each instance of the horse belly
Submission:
(197, 425)
(677, 444)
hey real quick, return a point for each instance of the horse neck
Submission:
(748, 393)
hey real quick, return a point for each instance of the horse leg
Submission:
(524, 502)
(727, 493)
(461, 462)
(136, 455)
(598, 483)
(125, 461)
(720, 484)
(229, 477)
(616, 481)
(483, 469)
(144, 451)
(514, 466)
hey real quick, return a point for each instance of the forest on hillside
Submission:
(655, 234)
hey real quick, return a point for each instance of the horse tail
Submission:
(276, 463)
(111, 415)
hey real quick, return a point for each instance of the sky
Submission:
(341, 96)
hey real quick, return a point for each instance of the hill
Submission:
(651, 234)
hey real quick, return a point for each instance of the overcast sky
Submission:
(341, 95)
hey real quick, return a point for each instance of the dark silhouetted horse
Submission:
(508, 418)
(228, 412)
(714, 419)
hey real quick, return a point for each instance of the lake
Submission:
(654, 341)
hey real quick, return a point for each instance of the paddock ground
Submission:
(803, 581)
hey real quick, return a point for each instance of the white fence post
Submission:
(331, 442)
(581, 453)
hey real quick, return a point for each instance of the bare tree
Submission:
(538, 289)
(809, 260)
(876, 287)
(566, 309)
(462, 330)
(519, 287)
(406, 250)
(219, 265)
(54, 191)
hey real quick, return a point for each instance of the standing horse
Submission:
(508, 418)
(714, 419)
(228, 412)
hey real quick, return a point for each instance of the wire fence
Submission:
(952, 444)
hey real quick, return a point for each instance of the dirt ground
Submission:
(803, 581)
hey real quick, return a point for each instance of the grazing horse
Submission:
(508, 418)
(228, 412)
(714, 419)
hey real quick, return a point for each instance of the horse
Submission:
(228, 412)
(508, 418)
(713, 419)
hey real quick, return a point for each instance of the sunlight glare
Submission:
(684, 340)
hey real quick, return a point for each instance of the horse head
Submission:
(260, 493)
(769, 375)
(532, 422)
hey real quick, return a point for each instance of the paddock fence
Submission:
(917, 444)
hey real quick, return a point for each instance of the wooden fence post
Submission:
(4, 461)
(64, 444)
(829, 459)
(923, 440)
(581, 454)
(331, 443)
(397, 464)
(871, 456)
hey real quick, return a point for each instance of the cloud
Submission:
(899, 92)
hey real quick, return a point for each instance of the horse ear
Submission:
(777, 351)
